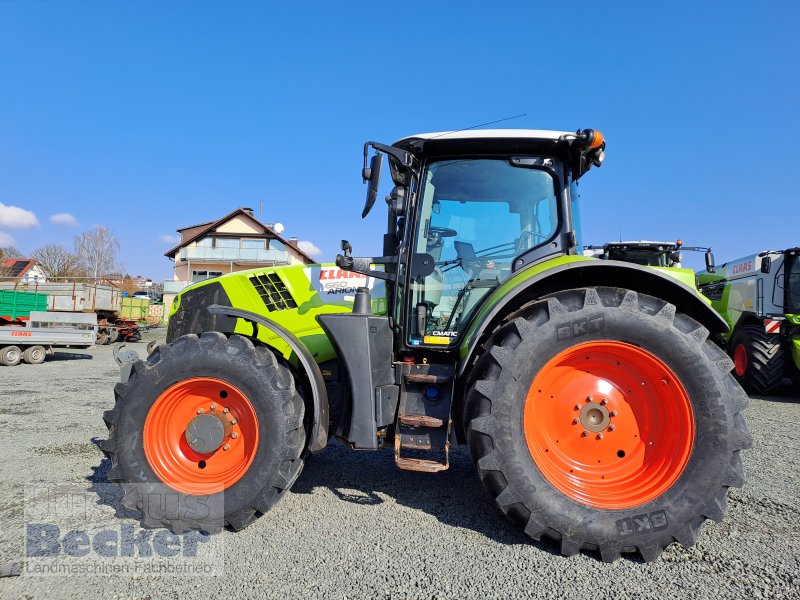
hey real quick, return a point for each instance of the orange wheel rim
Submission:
(608, 424)
(172, 458)
(740, 360)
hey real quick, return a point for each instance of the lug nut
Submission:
(234, 421)
(213, 407)
(603, 401)
(599, 436)
(613, 413)
(199, 411)
(226, 409)
(575, 421)
(585, 433)
(226, 447)
(611, 428)
(577, 407)
(234, 435)
(588, 398)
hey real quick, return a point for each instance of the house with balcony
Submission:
(236, 242)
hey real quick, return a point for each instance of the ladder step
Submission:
(427, 378)
(421, 421)
(418, 464)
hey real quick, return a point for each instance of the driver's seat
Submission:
(469, 261)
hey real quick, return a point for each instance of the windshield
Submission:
(793, 285)
(475, 217)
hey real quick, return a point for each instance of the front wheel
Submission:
(605, 420)
(10, 356)
(207, 432)
(758, 359)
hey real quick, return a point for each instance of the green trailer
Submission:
(17, 306)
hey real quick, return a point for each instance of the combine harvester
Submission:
(759, 298)
(597, 411)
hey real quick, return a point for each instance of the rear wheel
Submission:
(758, 359)
(10, 356)
(603, 419)
(211, 421)
(34, 355)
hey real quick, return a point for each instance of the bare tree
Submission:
(56, 261)
(97, 250)
(9, 252)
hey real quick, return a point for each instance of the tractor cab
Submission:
(470, 209)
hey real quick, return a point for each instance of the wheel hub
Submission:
(206, 432)
(595, 417)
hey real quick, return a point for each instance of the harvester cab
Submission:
(653, 254)
(596, 409)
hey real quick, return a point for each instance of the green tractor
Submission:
(665, 256)
(759, 298)
(597, 411)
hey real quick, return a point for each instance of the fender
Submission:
(586, 273)
(318, 437)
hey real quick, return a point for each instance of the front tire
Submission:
(10, 356)
(604, 420)
(759, 360)
(233, 384)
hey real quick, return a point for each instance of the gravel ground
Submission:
(354, 527)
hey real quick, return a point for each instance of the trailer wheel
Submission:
(605, 420)
(10, 356)
(34, 355)
(102, 338)
(212, 422)
(758, 358)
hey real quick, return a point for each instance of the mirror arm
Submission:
(362, 265)
(405, 158)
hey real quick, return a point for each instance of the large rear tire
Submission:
(759, 359)
(240, 389)
(605, 420)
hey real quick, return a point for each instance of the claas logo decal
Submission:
(743, 267)
(337, 281)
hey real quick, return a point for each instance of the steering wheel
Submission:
(441, 232)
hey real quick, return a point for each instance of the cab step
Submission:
(423, 421)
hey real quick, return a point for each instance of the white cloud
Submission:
(5, 239)
(170, 239)
(309, 248)
(65, 219)
(15, 217)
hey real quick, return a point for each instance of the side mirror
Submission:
(372, 176)
(347, 248)
(766, 264)
(710, 262)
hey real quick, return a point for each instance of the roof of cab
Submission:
(485, 134)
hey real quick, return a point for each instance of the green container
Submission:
(135, 309)
(18, 305)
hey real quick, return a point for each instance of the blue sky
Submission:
(149, 116)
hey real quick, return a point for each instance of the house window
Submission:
(226, 242)
(251, 244)
(203, 275)
(277, 245)
(204, 242)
